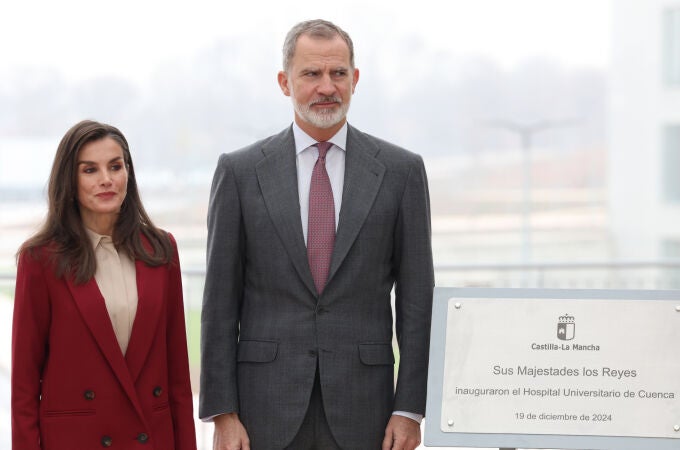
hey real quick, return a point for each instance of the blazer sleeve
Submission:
(30, 331)
(413, 291)
(222, 295)
(180, 397)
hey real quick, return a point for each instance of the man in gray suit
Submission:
(297, 323)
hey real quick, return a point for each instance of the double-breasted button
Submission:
(157, 391)
(142, 438)
(107, 441)
(89, 395)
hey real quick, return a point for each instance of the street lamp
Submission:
(526, 132)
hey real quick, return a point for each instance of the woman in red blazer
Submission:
(99, 355)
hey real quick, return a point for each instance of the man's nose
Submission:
(326, 86)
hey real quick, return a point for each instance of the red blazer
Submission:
(72, 388)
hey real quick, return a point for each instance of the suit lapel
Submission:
(90, 303)
(363, 177)
(151, 289)
(277, 177)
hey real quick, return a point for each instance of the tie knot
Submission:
(323, 148)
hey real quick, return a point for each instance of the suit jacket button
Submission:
(157, 391)
(142, 438)
(89, 395)
(107, 441)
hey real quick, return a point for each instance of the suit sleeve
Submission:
(414, 289)
(180, 397)
(222, 295)
(30, 331)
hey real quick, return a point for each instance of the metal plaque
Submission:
(560, 366)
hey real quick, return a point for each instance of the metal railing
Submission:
(639, 274)
(652, 274)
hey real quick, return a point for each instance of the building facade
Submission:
(644, 129)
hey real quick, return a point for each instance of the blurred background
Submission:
(550, 128)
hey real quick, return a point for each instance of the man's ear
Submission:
(283, 83)
(355, 79)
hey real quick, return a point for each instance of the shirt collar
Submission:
(303, 141)
(96, 239)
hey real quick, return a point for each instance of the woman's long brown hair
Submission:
(62, 237)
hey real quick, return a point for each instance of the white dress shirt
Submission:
(306, 156)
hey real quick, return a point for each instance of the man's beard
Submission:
(323, 118)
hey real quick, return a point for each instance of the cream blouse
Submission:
(116, 278)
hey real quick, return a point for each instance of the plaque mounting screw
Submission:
(458, 305)
(450, 423)
(677, 308)
(676, 427)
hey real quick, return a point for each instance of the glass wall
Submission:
(671, 46)
(671, 163)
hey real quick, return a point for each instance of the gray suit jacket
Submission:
(264, 328)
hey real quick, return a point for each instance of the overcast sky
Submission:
(132, 38)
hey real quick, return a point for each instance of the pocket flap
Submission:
(257, 351)
(375, 354)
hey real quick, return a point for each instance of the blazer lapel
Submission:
(363, 177)
(277, 177)
(151, 289)
(90, 303)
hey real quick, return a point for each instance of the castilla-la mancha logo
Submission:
(566, 327)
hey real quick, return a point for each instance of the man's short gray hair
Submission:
(317, 28)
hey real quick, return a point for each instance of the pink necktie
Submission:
(321, 225)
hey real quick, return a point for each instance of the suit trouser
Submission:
(314, 433)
